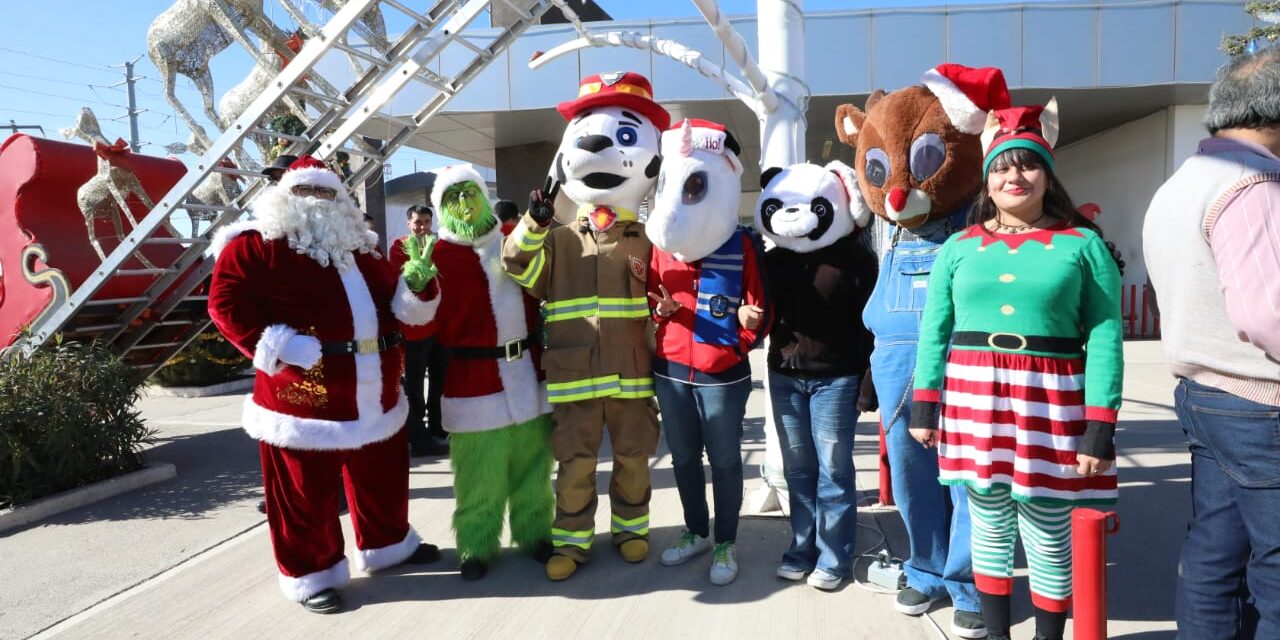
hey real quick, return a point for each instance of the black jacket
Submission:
(818, 300)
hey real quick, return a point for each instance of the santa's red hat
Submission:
(629, 90)
(309, 170)
(968, 93)
(701, 135)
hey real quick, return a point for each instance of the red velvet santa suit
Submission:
(342, 417)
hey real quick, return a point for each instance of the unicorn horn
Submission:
(686, 139)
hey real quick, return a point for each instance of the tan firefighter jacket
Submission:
(597, 313)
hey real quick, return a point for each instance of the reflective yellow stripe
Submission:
(638, 526)
(565, 538)
(573, 308)
(528, 239)
(624, 308)
(636, 387)
(532, 272)
(576, 390)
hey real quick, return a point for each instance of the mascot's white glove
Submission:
(301, 351)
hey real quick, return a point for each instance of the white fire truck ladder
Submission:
(149, 329)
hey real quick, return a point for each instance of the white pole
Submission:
(780, 31)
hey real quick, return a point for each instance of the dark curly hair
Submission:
(1057, 202)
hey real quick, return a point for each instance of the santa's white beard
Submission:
(328, 231)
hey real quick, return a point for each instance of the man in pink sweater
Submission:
(1212, 244)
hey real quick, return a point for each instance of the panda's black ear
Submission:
(768, 175)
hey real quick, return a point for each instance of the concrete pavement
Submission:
(191, 559)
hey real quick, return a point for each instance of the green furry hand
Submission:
(419, 270)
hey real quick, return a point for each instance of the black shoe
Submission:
(327, 601)
(424, 554)
(912, 602)
(430, 448)
(262, 507)
(473, 569)
(968, 624)
(542, 551)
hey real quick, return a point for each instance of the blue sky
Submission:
(57, 56)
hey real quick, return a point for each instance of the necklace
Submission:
(1016, 228)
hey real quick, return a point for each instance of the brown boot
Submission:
(634, 550)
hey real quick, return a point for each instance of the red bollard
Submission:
(886, 480)
(1089, 531)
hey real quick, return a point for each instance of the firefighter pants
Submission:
(575, 441)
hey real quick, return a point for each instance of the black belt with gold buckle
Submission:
(511, 350)
(1017, 342)
(360, 347)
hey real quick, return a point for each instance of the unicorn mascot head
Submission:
(695, 209)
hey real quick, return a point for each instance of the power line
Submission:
(43, 79)
(74, 64)
(54, 95)
(33, 113)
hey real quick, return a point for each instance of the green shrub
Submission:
(209, 359)
(67, 418)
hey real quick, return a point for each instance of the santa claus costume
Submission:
(494, 405)
(303, 292)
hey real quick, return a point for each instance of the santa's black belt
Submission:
(1017, 342)
(512, 350)
(362, 347)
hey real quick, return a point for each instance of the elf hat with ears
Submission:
(968, 93)
(1034, 128)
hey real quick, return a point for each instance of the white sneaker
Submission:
(724, 564)
(820, 579)
(794, 574)
(688, 546)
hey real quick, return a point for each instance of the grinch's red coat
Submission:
(263, 293)
(483, 307)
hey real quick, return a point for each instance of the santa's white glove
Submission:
(301, 351)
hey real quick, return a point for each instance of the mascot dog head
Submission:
(918, 154)
(695, 209)
(609, 152)
(805, 207)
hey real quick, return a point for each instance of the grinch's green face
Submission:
(466, 202)
(465, 210)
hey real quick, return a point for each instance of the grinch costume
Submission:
(494, 406)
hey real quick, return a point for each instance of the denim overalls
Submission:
(936, 516)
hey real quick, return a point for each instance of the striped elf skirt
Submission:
(1014, 420)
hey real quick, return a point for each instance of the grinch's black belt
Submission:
(512, 350)
(1016, 342)
(371, 345)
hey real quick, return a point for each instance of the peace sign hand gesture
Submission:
(419, 270)
(666, 304)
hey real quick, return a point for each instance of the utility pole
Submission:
(14, 127)
(130, 80)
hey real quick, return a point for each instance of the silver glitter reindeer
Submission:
(107, 193)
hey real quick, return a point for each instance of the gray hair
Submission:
(1246, 93)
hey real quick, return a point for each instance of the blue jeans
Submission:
(694, 417)
(936, 516)
(815, 418)
(1232, 549)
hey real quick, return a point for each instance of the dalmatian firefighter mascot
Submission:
(493, 404)
(591, 274)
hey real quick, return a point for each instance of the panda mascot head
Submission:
(805, 207)
(695, 209)
(609, 155)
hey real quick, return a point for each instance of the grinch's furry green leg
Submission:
(480, 484)
(533, 503)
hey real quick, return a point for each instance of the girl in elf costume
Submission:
(1020, 305)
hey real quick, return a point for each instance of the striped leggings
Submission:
(1046, 537)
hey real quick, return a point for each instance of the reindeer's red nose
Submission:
(898, 199)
